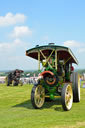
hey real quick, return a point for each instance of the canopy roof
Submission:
(62, 52)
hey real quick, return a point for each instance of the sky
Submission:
(27, 23)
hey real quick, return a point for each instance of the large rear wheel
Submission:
(76, 88)
(38, 96)
(67, 97)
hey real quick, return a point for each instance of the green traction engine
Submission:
(57, 77)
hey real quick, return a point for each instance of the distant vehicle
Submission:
(13, 77)
(57, 77)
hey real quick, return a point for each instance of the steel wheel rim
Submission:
(79, 87)
(69, 97)
(39, 96)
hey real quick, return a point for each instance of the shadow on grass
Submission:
(27, 104)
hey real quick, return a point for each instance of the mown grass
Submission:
(16, 111)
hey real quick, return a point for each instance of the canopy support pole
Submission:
(38, 60)
(56, 59)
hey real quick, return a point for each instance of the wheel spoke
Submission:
(68, 97)
(39, 96)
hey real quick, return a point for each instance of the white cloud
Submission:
(22, 62)
(15, 47)
(12, 56)
(71, 44)
(20, 31)
(10, 19)
(77, 46)
(81, 50)
(8, 46)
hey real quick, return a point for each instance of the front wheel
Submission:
(15, 83)
(7, 81)
(37, 96)
(67, 97)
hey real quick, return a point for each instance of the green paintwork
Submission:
(37, 53)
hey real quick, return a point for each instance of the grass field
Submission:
(16, 111)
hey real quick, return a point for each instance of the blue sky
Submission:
(26, 23)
